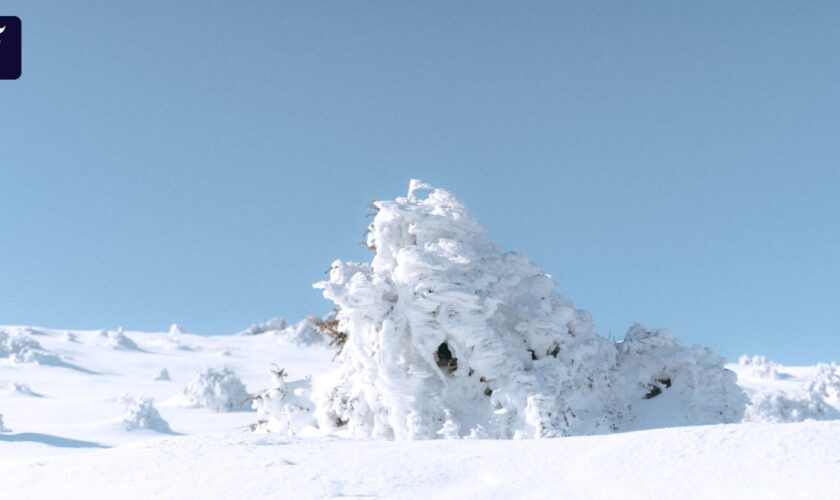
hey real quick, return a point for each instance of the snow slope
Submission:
(69, 437)
(724, 461)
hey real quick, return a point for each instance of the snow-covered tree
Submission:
(446, 335)
(285, 407)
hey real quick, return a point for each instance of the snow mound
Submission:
(118, 340)
(218, 389)
(140, 413)
(444, 335)
(285, 408)
(18, 346)
(161, 374)
(762, 367)
(768, 406)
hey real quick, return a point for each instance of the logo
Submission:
(10, 44)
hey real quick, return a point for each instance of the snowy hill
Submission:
(69, 437)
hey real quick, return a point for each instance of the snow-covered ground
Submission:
(442, 336)
(77, 419)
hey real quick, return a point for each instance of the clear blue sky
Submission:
(672, 163)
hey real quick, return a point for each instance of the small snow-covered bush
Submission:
(285, 407)
(119, 340)
(218, 389)
(762, 367)
(70, 337)
(779, 407)
(161, 374)
(302, 333)
(3, 428)
(444, 335)
(825, 382)
(174, 339)
(21, 388)
(140, 413)
(272, 325)
(17, 346)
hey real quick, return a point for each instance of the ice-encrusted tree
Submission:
(446, 335)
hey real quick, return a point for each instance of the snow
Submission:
(218, 389)
(72, 442)
(442, 335)
(140, 413)
(449, 336)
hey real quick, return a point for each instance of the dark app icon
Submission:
(10, 35)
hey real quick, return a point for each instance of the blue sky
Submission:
(670, 163)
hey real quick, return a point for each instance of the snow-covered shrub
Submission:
(17, 346)
(825, 382)
(174, 339)
(778, 407)
(445, 335)
(762, 367)
(161, 374)
(21, 388)
(3, 428)
(140, 413)
(118, 340)
(218, 389)
(69, 337)
(285, 407)
(687, 385)
(272, 325)
(302, 333)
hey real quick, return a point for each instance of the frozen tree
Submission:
(443, 334)
(173, 339)
(285, 407)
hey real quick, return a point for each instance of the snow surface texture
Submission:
(447, 336)
(140, 413)
(218, 389)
